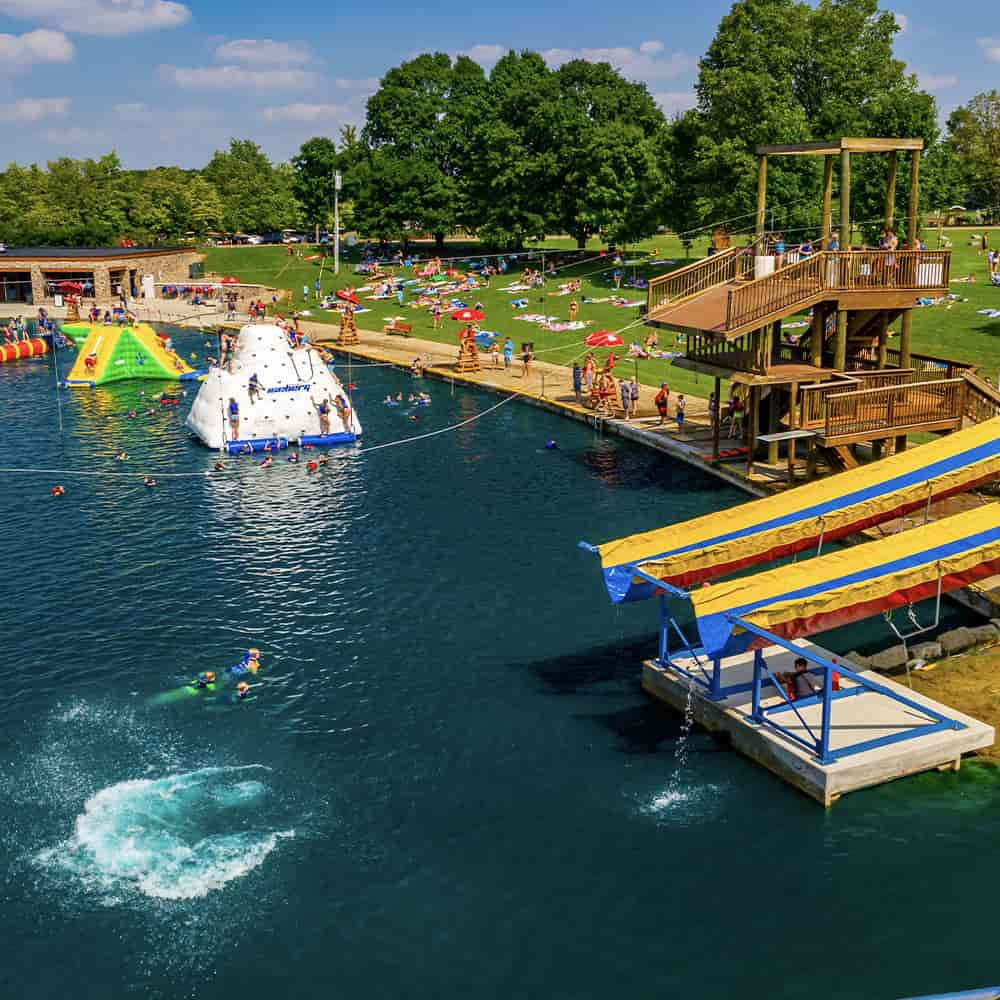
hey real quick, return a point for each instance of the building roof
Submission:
(87, 253)
(851, 144)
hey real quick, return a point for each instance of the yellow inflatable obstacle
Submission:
(116, 353)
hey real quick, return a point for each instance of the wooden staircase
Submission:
(982, 400)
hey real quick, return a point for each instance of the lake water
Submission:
(447, 782)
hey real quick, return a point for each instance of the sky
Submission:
(169, 82)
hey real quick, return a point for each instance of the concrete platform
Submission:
(855, 719)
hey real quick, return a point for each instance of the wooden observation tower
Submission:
(842, 383)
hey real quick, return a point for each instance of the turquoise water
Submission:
(446, 781)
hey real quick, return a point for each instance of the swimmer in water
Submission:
(132, 414)
(242, 690)
(323, 459)
(267, 463)
(399, 397)
(219, 466)
(149, 482)
(121, 456)
(205, 679)
(388, 399)
(294, 457)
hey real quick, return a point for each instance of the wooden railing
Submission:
(740, 354)
(798, 284)
(813, 399)
(982, 400)
(861, 269)
(880, 412)
(729, 265)
(775, 293)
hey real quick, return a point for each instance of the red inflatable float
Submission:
(23, 349)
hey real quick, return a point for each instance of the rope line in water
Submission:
(31, 470)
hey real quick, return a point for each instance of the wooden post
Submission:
(827, 223)
(772, 425)
(793, 424)
(906, 322)
(883, 328)
(753, 423)
(718, 419)
(816, 333)
(845, 199)
(840, 341)
(890, 194)
(761, 195)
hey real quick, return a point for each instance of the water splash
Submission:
(177, 837)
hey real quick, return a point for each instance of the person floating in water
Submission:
(122, 456)
(149, 482)
(242, 690)
(294, 457)
(205, 679)
(250, 664)
(267, 463)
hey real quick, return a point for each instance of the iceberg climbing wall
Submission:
(295, 386)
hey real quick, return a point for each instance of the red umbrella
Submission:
(468, 315)
(230, 280)
(348, 297)
(452, 273)
(70, 287)
(604, 338)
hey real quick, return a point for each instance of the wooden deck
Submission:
(865, 717)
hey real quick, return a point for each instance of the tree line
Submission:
(526, 150)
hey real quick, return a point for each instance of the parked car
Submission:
(255, 240)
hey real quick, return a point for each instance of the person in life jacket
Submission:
(800, 683)
(204, 680)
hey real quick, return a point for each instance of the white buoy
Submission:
(295, 386)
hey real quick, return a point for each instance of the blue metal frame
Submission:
(679, 661)
(820, 746)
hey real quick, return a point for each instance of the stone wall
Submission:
(168, 266)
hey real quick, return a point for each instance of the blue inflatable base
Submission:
(256, 444)
(197, 373)
(326, 440)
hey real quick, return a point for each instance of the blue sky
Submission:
(162, 81)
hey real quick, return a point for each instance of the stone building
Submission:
(32, 274)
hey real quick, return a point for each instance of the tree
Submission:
(315, 165)
(421, 117)
(255, 195)
(974, 138)
(782, 71)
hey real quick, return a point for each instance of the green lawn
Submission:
(953, 331)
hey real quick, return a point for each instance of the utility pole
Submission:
(336, 222)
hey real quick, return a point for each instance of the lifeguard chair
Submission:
(468, 353)
(348, 335)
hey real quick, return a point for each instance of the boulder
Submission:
(984, 633)
(955, 640)
(855, 661)
(926, 651)
(889, 659)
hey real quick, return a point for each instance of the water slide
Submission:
(845, 586)
(128, 352)
(704, 548)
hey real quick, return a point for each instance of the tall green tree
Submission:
(315, 165)
(783, 71)
(974, 138)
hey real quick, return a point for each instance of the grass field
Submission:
(952, 330)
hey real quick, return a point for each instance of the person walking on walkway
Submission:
(662, 401)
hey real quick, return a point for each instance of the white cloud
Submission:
(652, 47)
(303, 112)
(902, 20)
(41, 46)
(990, 47)
(368, 84)
(676, 101)
(100, 17)
(134, 112)
(34, 109)
(236, 78)
(937, 81)
(263, 52)
(633, 63)
(486, 55)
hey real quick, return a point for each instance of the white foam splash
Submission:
(178, 837)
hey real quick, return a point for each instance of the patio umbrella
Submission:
(347, 296)
(604, 338)
(70, 287)
(468, 316)
(230, 280)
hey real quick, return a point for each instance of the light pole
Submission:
(336, 222)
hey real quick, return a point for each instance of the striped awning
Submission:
(726, 541)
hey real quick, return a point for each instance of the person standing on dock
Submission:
(681, 403)
(633, 388)
(234, 419)
(508, 353)
(625, 390)
(577, 381)
(662, 402)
